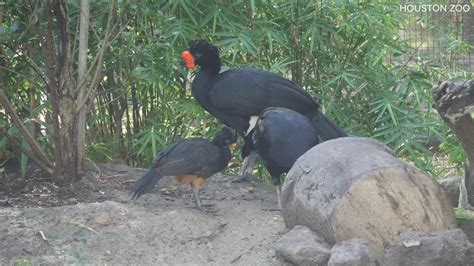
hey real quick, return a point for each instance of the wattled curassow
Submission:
(237, 96)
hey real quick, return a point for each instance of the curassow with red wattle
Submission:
(280, 137)
(190, 161)
(237, 96)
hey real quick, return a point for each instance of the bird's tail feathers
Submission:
(145, 183)
(325, 128)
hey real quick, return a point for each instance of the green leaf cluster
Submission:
(348, 54)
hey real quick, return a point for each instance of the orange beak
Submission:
(188, 59)
(233, 145)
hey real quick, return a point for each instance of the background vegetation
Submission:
(347, 54)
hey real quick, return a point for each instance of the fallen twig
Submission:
(112, 176)
(82, 226)
(42, 235)
(272, 210)
(212, 235)
(236, 259)
(129, 181)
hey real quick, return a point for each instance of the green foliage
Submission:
(464, 215)
(347, 54)
(456, 152)
(23, 262)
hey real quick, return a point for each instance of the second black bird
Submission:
(280, 137)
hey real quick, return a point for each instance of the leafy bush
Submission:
(347, 54)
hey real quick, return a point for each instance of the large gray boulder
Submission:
(447, 248)
(302, 246)
(356, 188)
(356, 252)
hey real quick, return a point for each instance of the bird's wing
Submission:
(247, 91)
(189, 156)
(285, 136)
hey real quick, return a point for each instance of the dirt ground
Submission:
(96, 223)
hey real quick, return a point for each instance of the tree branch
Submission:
(103, 48)
(28, 153)
(47, 47)
(81, 75)
(23, 130)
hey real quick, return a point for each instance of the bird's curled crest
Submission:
(203, 47)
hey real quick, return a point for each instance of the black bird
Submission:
(280, 137)
(237, 96)
(190, 161)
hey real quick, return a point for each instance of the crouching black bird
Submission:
(190, 161)
(237, 96)
(280, 137)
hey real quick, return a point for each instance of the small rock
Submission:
(103, 219)
(72, 201)
(451, 186)
(436, 249)
(250, 189)
(355, 252)
(411, 243)
(302, 247)
(5, 203)
(165, 191)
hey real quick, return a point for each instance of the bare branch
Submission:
(81, 75)
(23, 130)
(28, 153)
(19, 74)
(100, 59)
(47, 47)
(30, 62)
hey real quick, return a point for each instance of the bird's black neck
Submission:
(219, 142)
(200, 88)
(211, 65)
(224, 150)
(226, 155)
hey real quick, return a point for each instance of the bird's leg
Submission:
(197, 184)
(277, 184)
(278, 190)
(196, 195)
(245, 172)
(248, 164)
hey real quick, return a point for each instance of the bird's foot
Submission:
(279, 207)
(208, 208)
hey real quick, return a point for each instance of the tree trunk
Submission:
(455, 102)
(69, 95)
(81, 80)
(49, 58)
(356, 187)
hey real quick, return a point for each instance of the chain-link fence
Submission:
(441, 32)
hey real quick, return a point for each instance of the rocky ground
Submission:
(96, 223)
